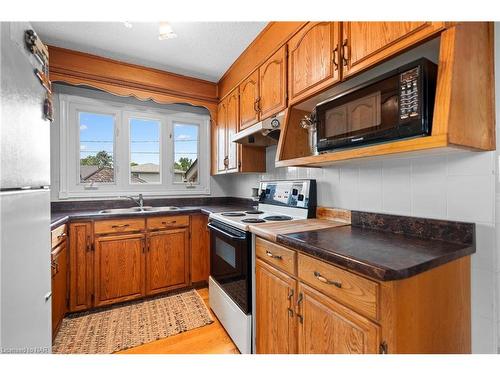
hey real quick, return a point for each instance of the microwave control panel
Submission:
(409, 106)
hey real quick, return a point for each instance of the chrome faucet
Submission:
(139, 201)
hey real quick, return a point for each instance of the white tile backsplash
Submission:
(396, 193)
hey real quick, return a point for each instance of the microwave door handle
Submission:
(225, 233)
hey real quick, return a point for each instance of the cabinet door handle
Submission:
(345, 53)
(299, 300)
(335, 57)
(323, 279)
(271, 255)
(290, 294)
(62, 235)
(169, 222)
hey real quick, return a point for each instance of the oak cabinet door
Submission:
(232, 124)
(327, 327)
(119, 268)
(167, 260)
(367, 43)
(276, 325)
(59, 285)
(313, 59)
(81, 266)
(249, 96)
(200, 249)
(272, 81)
(221, 136)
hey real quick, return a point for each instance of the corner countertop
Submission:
(385, 247)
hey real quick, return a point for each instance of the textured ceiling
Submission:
(202, 49)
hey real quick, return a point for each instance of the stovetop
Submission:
(242, 219)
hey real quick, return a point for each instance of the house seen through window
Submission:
(96, 147)
(186, 145)
(144, 151)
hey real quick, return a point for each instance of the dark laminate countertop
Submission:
(59, 217)
(411, 246)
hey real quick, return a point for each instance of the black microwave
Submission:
(396, 105)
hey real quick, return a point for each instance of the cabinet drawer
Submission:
(118, 226)
(277, 255)
(355, 291)
(162, 222)
(59, 234)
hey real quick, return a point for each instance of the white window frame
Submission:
(69, 144)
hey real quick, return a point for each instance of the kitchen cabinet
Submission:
(233, 157)
(263, 93)
(119, 268)
(200, 249)
(275, 321)
(249, 99)
(306, 305)
(167, 260)
(232, 123)
(81, 266)
(272, 85)
(59, 272)
(367, 43)
(314, 59)
(326, 326)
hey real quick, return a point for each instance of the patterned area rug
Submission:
(130, 324)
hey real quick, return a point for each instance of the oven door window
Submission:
(229, 263)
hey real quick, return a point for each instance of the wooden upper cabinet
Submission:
(249, 96)
(232, 125)
(272, 84)
(367, 43)
(276, 325)
(221, 136)
(167, 260)
(81, 266)
(314, 59)
(328, 327)
(119, 268)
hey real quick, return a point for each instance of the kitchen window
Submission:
(109, 149)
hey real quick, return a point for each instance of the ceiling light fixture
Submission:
(127, 24)
(166, 31)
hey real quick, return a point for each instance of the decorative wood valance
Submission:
(123, 79)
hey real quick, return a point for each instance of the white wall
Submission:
(457, 185)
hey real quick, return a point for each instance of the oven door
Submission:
(230, 253)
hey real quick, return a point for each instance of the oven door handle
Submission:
(225, 233)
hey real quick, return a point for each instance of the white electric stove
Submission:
(231, 251)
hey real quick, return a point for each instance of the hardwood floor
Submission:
(210, 339)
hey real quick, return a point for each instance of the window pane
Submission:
(144, 151)
(96, 147)
(186, 152)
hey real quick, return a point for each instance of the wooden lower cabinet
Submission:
(81, 266)
(59, 268)
(167, 260)
(275, 322)
(326, 326)
(119, 268)
(200, 249)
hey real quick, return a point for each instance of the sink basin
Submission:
(165, 208)
(137, 209)
(124, 210)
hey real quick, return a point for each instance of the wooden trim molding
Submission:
(123, 79)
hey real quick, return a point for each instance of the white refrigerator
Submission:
(25, 280)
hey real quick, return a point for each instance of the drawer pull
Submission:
(271, 255)
(169, 222)
(323, 279)
(62, 235)
(120, 225)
